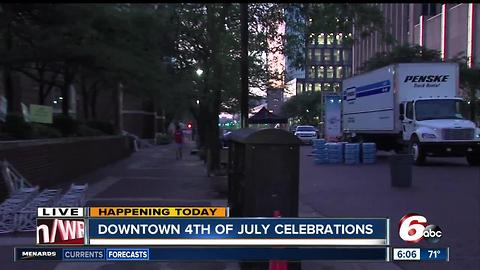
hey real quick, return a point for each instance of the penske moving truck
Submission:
(415, 107)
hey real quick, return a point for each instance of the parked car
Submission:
(306, 133)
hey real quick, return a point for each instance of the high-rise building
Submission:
(448, 28)
(397, 23)
(328, 60)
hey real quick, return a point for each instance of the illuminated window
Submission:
(312, 72)
(317, 55)
(339, 73)
(312, 39)
(321, 39)
(318, 87)
(346, 56)
(336, 87)
(330, 39)
(336, 56)
(327, 87)
(339, 38)
(310, 86)
(299, 87)
(330, 72)
(321, 72)
(327, 55)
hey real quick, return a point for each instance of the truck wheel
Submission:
(473, 160)
(417, 151)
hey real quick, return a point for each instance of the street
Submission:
(445, 192)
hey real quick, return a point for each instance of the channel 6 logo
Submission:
(414, 227)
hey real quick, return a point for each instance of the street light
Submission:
(199, 72)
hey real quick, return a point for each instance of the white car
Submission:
(306, 133)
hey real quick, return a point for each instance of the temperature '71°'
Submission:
(433, 253)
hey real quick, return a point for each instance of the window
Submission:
(308, 55)
(321, 72)
(409, 112)
(348, 72)
(318, 87)
(336, 56)
(327, 87)
(330, 39)
(312, 39)
(336, 87)
(339, 73)
(309, 86)
(346, 56)
(321, 39)
(339, 38)
(317, 55)
(330, 72)
(312, 72)
(299, 87)
(327, 55)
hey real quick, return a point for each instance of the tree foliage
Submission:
(305, 107)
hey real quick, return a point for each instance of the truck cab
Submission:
(439, 127)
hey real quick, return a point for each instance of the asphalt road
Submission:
(446, 191)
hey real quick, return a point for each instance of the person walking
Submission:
(179, 140)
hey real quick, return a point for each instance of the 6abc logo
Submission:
(414, 227)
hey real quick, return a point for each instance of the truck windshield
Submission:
(440, 109)
(305, 129)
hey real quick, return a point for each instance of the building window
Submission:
(321, 39)
(327, 87)
(336, 56)
(309, 86)
(318, 87)
(336, 87)
(346, 56)
(339, 72)
(339, 38)
(330, 72)
(308, 55)
(327, 55)
(321, 72)
(317, 55)
(348, 72)
(312, 72)
(299, 87)
(312, 39)
(330, 39)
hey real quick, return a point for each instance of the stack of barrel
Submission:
(369, 153)
(335, 153)
(320, 151)
(352, 153)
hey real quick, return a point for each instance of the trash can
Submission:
(401, 170)
(263, 173)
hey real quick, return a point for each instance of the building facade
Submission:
(448, 28)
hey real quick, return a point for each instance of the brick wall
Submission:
(50, 162)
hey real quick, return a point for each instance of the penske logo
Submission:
(427, 78)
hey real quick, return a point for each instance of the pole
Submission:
(244, 65)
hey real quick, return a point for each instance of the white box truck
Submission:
(414, 106)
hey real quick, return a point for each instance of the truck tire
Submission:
(419, 157)
(473, 160)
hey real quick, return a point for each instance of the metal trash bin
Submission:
(263, 173)
(401, 170)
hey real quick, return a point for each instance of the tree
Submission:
(402, 54)
(305, 107)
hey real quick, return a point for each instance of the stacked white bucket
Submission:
(335, 153)
(347, 153)
(320, 151)
(369, 153)
(352, 153)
